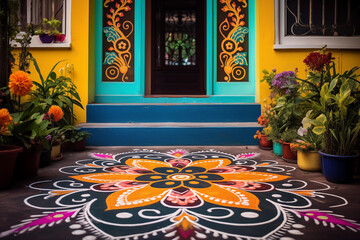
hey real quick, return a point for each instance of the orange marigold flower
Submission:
(5, 117)
(4, 130)
(20, 83)
(302, 146)
(56, 113)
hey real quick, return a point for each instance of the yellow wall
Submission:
(267, 57)
(77, 54)
(285, 60)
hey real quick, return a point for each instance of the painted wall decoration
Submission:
(232, 40)
(181, 195)
(118, 40)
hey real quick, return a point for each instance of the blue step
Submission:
(125, 113)
(171, 134)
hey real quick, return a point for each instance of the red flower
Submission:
(262, 120)
(316, 61)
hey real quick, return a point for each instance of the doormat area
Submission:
(179, 195)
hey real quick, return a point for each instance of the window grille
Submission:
(34, 11)
(323, 18)
(315, 23)
(180, 35)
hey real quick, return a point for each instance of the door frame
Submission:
(134, 92)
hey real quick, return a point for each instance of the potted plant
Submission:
(307, 146)
(76, 139)
(264, 122)
(49, 31)
(287, 137)
(27, 129)
(54, 115)
(335, 116)
(289, 110)
(57, 90)
(8, 153)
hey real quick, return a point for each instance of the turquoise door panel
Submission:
(103, 88)
(245, 89)
(217, 92)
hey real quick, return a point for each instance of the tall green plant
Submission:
(57, 90)
(336, 116)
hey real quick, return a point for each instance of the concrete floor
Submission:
(13, 209)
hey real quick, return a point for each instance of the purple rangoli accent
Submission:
(327, 218)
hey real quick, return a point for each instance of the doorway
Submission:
(175, 47)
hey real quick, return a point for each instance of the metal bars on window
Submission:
(34, 11)
(322, 18)
(180, 35)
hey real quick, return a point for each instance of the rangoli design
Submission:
(232, 47)
(119, 27)
(179, 195)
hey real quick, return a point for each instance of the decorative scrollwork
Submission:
(233, 31)
(118, 32)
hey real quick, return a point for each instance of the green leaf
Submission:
(49, 101)
(319, 130)
(321, 119)
(333, 84)
(52, 75)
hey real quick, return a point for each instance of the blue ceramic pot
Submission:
(277, 149)
(338, 169)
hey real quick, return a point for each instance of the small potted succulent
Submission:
(76, 139)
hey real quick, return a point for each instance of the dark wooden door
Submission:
(178, 47)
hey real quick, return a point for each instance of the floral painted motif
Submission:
(233, 30)
(179, 195)
(119, 32)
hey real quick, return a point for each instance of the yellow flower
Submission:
(5, 118)
(56, 113)
(20, 83)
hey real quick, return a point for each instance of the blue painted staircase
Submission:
(171, 124)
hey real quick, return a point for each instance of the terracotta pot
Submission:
(288, 155)
(78, 146)
(56, 152)
(264, 142)
(27, 163)
(309, 161)
(8, 155)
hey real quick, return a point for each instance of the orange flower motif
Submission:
(5, 118)
(20, 83)
(56, 113)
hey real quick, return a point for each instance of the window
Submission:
(177, 47)
(315, 23)
(34, 11)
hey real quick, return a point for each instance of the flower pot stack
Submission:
(326, 137)
(29, 130)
